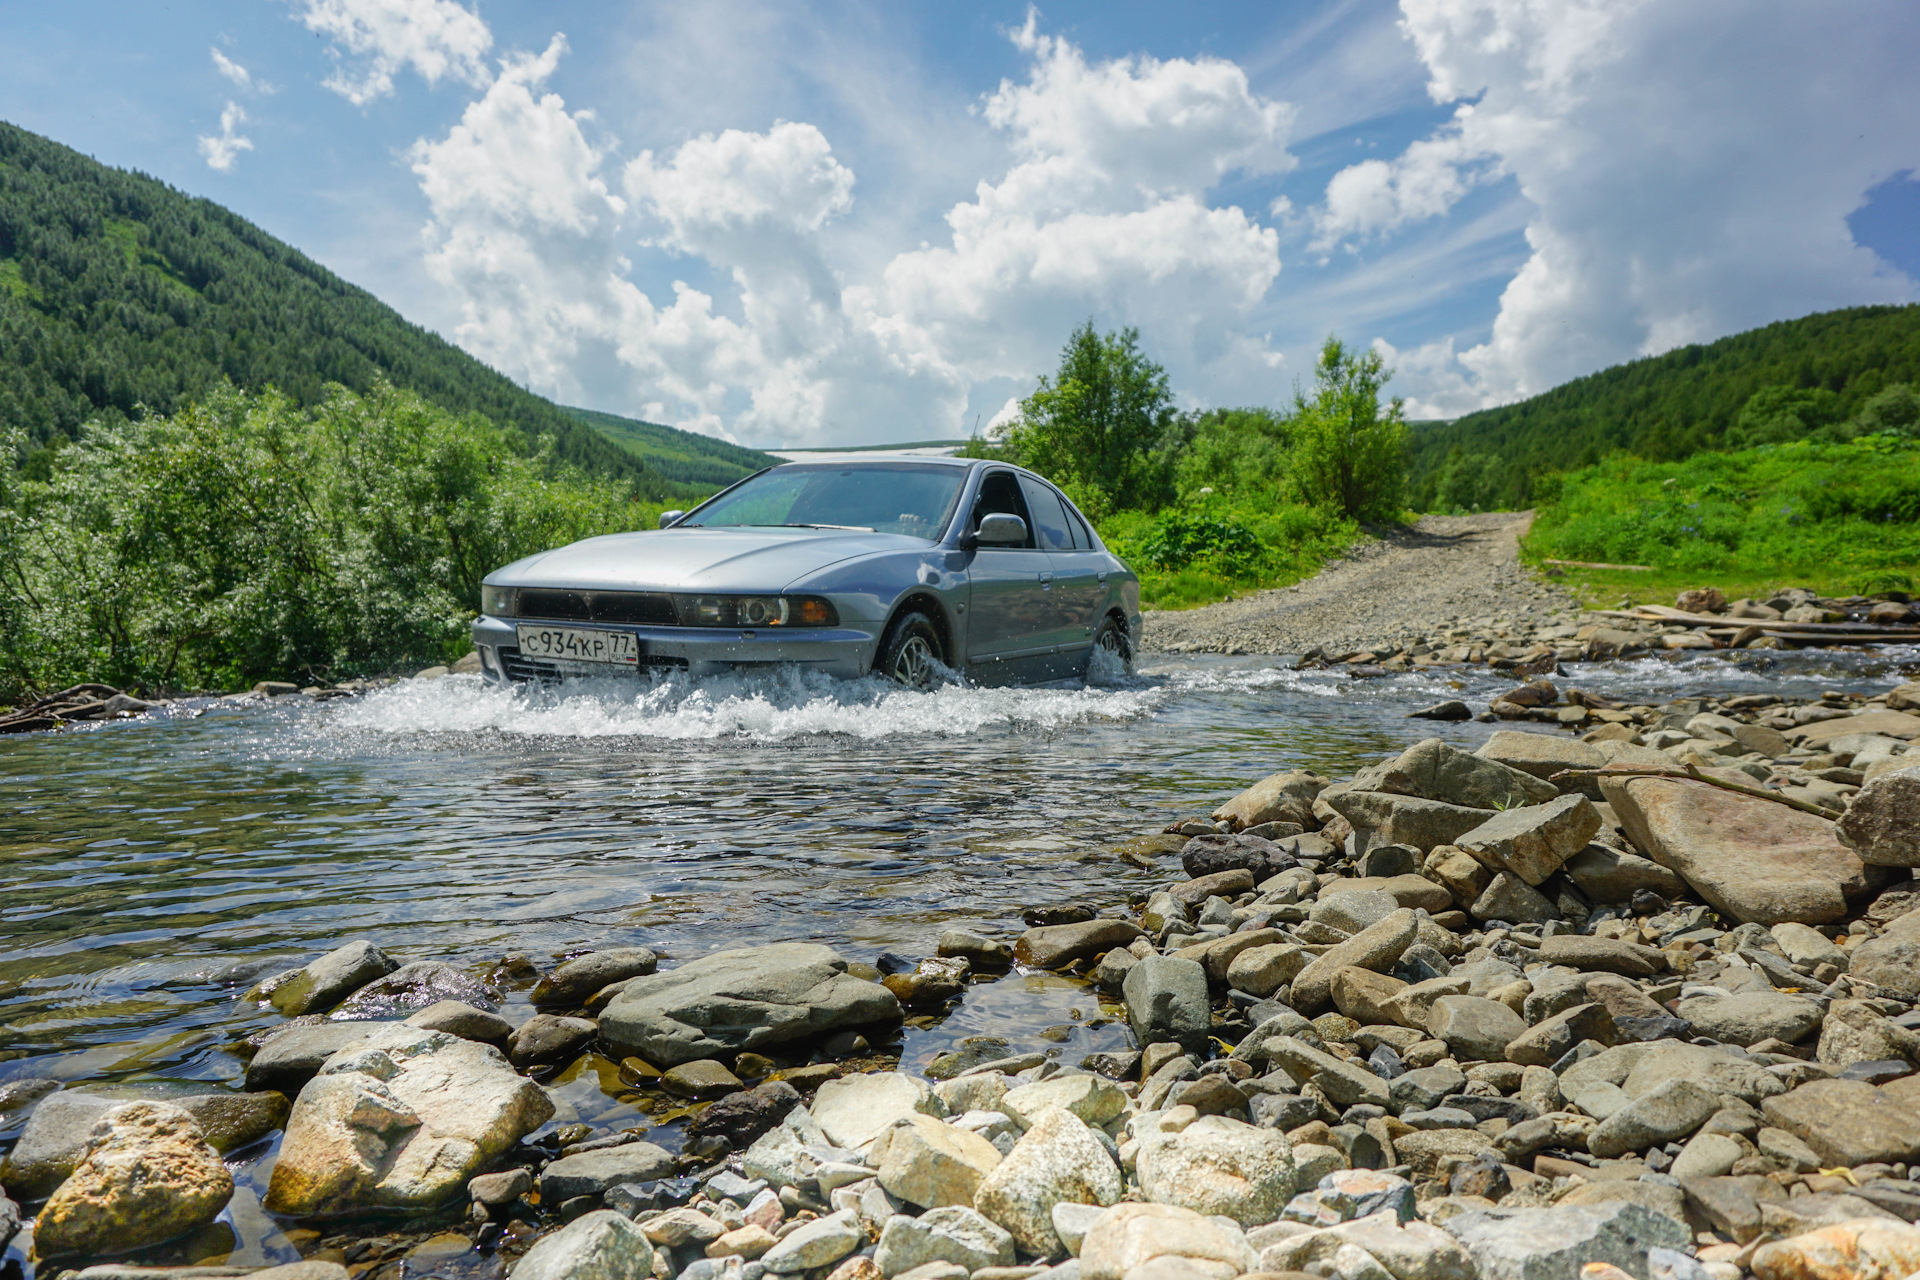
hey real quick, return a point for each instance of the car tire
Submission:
(1112, 637)
(912, 653)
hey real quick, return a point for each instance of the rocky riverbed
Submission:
(1644, 999)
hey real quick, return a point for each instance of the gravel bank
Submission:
(1445, 572)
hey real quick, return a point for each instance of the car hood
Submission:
(697, 559)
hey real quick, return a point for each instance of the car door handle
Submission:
(1100, 577)
(1046, 577)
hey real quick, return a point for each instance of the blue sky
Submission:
(849, 223)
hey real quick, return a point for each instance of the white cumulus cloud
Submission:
(438, 39)
(1102, 208)
(222, 150)
(1689, 172)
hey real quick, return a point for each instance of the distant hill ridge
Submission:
(685, 457)
(118, 291)
(1670, 406)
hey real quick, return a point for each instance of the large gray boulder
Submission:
(601, 1245)
(1167, 1000)
(741, 1000)
(1435, 770)
(1533, 842)
(1544, 755)
(1387, 818)
(1748, 1017)
(1283, 797)
(1847, 1122)
(1554, 1244)
(318, 985)
(401, 1121)
(58, 1132)
(1882, 821)
(1891, 960)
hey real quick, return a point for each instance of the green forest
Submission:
(1821, 370)
(119, 294)
(700, 463)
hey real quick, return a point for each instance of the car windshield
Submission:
(914, 498)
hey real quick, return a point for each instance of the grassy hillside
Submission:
(117, 292)
(684, 457)
(1663, 408)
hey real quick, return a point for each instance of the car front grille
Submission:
(635, 608)
(524, 670)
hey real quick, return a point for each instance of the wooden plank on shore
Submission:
(1660, 613)
(1594, 564)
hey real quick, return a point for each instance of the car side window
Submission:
(1049, 518)
(1082, 540)
(1000, 495)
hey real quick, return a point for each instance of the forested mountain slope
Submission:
(684, 457)
(118, 291)
(1670, 406)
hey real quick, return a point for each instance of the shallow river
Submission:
(149, 870)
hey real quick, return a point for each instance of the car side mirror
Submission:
(668, 517)
(1001, 530)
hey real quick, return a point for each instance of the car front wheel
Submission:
(912, 653)
(1112, 639)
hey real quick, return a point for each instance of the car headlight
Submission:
(755, 611)
(497, 601)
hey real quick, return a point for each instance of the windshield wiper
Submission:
(850, 528)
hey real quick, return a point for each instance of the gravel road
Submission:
(1444, 572)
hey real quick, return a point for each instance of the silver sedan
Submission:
(911, 568)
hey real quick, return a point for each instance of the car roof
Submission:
(879, 459)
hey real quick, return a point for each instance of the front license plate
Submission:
(578, 644)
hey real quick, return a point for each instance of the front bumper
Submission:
(699, 651)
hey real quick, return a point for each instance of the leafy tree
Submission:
(1233, 451)
(1895, 410)
(1347, 454)
(1779, 414)
(1468, 482)
(1103, 427)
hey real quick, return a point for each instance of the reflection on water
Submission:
(151, 871)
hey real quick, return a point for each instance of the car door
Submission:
(1079, 571)
(1009, 604)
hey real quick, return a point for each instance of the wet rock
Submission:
(601, 1245)
(932, 985)
(1057, 946)
(1395, 819)
(1059, 1159)
(1602, 955)
(1376, 947)
(931, 1164)
(751, 998)
(1218, 1166)
(854, 1110)
(1161, 1240)
(1533, 842)
(60, 1129)
(318, 985)
(1672, 1111)
(1606, 874)
(1860, 1250)
(401, 1121)
(819, 1243)
(954, 1234)
(1208, 855)
(741, 1118)
(1748, 1017)
(569, 986)
(1475, 1028)
(547, 1037)
(1554, 1244)
(703, 1079)
(1167, 1000)
(1451, 709)
(1435, 770)
(593, 1173)
(465, 1021)
(976, 949)
(1283, 797)
(147, 1175)
(1847, 1122)
(415, 986)
(499, 1190)
(1749, 858)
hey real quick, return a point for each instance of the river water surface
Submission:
(150, 870)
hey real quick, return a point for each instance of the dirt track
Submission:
(1446, 571)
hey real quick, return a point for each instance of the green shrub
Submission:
(1347, 455)
(246, 537)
